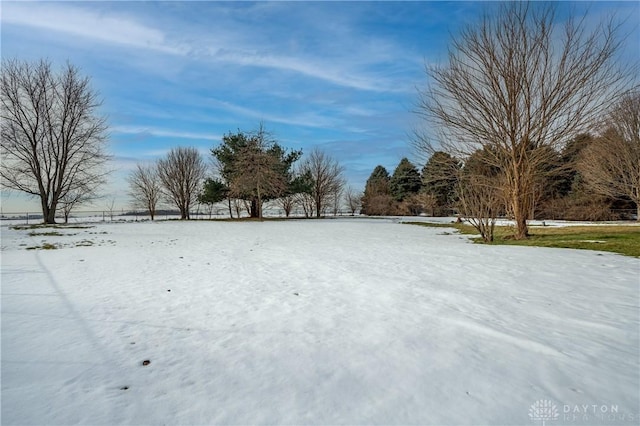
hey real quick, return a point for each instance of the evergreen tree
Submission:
(570, 156)
(378, 182)
(213, 191)
(377, 199)
(440, 177)
(405, 180)
(256, 167)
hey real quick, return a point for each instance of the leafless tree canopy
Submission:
(287, 202)
(72, 199)
(353, 200)
(181, 174)
(480, 200)
(520, 83)
(306, 201)
(611, 163)
(145, 188)
(53, 140)
(326, 174)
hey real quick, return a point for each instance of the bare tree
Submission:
(72, 199)
(336, 200)
(110, 207)
(52, 138)
(237, 206)
(480, 192)
(480, 200)
(287, 202)
(145, 188)
(610, 165)
(353, 199)
(326, 175)
(520, 84)
(307, 202)
(181, 174)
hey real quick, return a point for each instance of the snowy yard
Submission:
(312, 322)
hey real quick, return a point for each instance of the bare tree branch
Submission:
(52, 138)
(610, 165)
(145, 188)
(521, 85)
(181, 174)
(353, 199)
(326, 174)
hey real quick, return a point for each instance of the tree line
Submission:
(594, 177)
(251, 168)
(53, 148)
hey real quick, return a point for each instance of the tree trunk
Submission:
(520, 214)
(521, 198)
(254, 208)
(259, 204)
(230, 211)
(49, 216)
(48, 213)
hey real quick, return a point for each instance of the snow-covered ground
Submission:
(343, 321)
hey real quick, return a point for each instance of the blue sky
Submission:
(340, 76)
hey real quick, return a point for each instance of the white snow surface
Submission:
(312, 322)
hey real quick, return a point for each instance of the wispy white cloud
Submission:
(304, 119)
(326, 70)
(108, 28)
(225, 45)
(154, 131)
(161, 152)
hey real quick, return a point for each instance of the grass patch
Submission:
(622, 239)
(44, 246)
(27, 227)
(255, 219)
(46, 234)
(47, 226)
